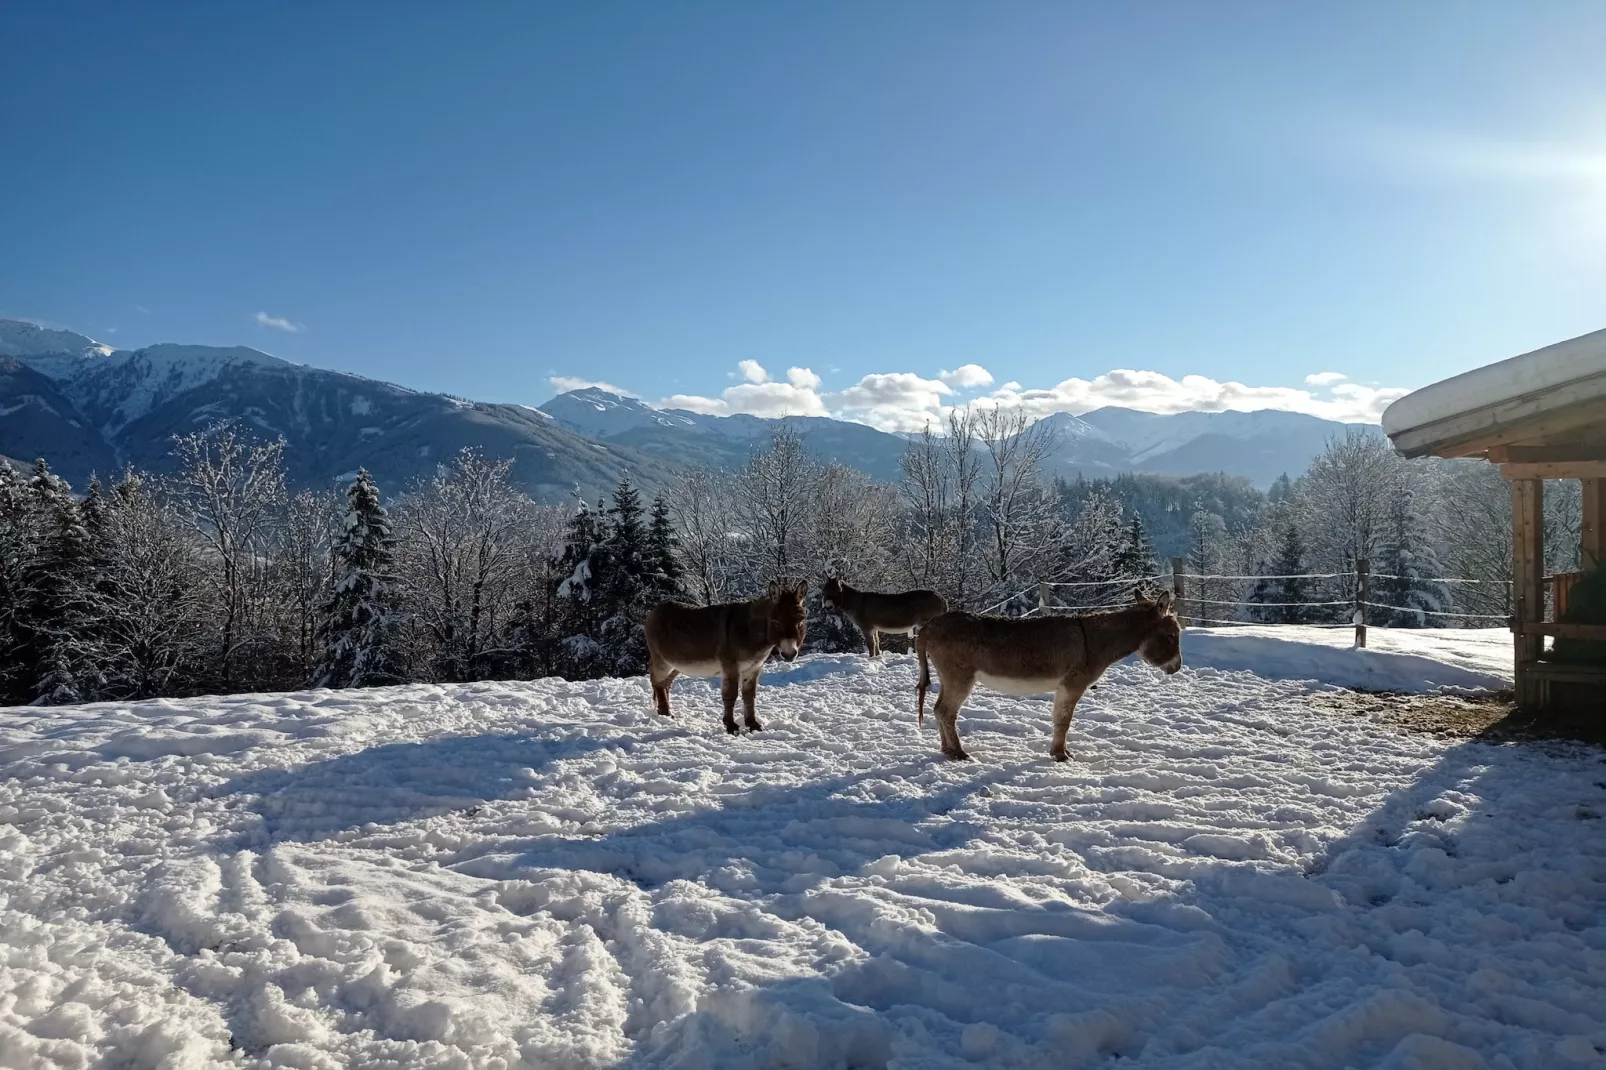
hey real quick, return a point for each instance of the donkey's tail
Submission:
(925, 674)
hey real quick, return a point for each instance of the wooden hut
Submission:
(1538, 416)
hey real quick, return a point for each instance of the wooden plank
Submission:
(1527, 569)
(1509, 422)
(1555, 470)
(1543, 454)
(1562, 630)
(1592, 542)
(1561, 672)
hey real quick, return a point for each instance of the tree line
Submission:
(219, 579)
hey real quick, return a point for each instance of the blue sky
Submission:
(476, 198)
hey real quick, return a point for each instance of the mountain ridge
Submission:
(90, 408)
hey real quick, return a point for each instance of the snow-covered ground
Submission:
(1394, 659)
(547, 875)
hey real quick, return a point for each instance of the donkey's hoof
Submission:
(730, 726)
(754, 726)
(1060, 755)
(956, 755)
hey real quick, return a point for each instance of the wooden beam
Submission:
(1527, 570)
(1564, 672)
(1592, 543)
(1508, 422)
(1554, 470)
(1546, 454)
(1596, 632)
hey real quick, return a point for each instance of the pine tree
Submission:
(1407, 569)
(577, 590)
(56, 584)
(1289, 587)
(18, 543)
(663, 552)
(360, 644)
(1136, 556)
(628, 584)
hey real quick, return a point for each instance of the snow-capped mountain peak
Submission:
(19, 338)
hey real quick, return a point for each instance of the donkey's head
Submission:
(831, 592)
(788, 618)
(1162, 639)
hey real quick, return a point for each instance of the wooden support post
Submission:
(1179, 587)
(1527, 574)
(1363, 569)
(1592, 544)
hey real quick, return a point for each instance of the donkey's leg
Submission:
(869, 637)
(955, 689)
(1065, 699)
(728, 683)
(875, 643)
(662, 674)
(749, 697)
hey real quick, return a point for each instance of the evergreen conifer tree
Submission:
(359, 631)
(1136, 556)
(1290, 586)
(1407, 570)
(663, 553)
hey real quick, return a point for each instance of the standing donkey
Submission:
(1030, 655)
(731, 640)
(874, 613)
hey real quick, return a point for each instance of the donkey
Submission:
(873, 613)
(731, 640)
(1030, 655)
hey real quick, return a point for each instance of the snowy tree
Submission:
(231, 488)
(1407, 569)
(706, 531)
(302, 576)
(1286, 585)
(1020, 519)
(772, 500)
(663, 550)
(1091, 547)
(1344, 501)
(461, 539)
(360, 641)
(940, 493)
(1206, 552)
(153, 598)
(1135, 558)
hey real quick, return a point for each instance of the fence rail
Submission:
(1190, 590)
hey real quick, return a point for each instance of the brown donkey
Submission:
(1030, 655)
(731, 640)
(874, 613)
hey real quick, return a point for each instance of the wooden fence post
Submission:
(1363, 571)
(1179, 587)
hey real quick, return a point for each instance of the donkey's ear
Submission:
(1166, 601)
(802, 587)
(773, 589)
(1141, 594)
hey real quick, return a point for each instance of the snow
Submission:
(546, 874)
(19, 338)
(1395, 659)
(1543, 369)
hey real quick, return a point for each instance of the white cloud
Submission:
(906, 401)
(757, 399)
(893, 401)
(278, 323)
(803, 378)
(967, 376)
(565, 383)
(1154, 392)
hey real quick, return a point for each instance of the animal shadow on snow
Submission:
(398, 782)
(1222, 961)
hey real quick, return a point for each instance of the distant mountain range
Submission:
(1259, 445)
(87, 407)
